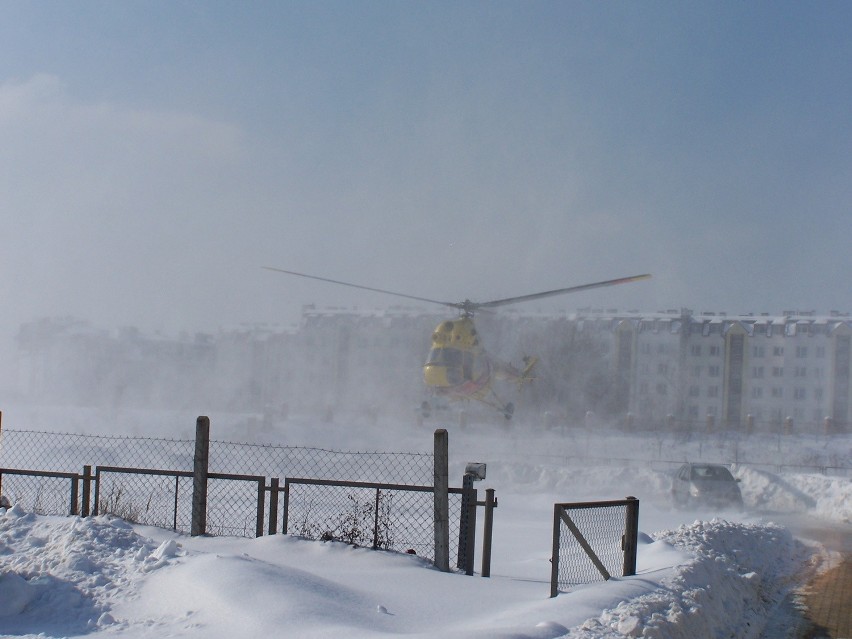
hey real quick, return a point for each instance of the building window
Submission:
(757, 372)
(777, 371)
(695, 349)
(715, 351)
(694, 391)
(759, 351)
(777, 391)
(712, 391)
(818, 394)
(713, 371)
(799, 393)
(801, 351)
(696, 371)
(693, 412)
(757, 392)
(778, 351)
(800, 371)
(662, 368)
(820, 351)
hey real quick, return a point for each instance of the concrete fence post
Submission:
(199, 476)
(441, 484)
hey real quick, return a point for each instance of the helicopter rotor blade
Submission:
(561, 291)
(366, 288)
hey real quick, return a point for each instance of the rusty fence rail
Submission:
(593, 541)
(42, 491)
(377, 515)
(163, 498)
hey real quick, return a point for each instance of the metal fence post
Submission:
(470, 545)
(488, 526)
(273, 505)
(177, 490)
(441, 485)
(376, 520)
(285, 522)
(261, 503)
(554, 556)
(631, 536)
(75, 494)
(464, 522)
(87, 489)
(467, 525)
(199, 476)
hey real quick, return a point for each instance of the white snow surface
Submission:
(702, 573)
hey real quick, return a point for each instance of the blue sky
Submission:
(155, 154)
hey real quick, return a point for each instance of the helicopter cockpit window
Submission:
(451, 359)
(445, 357)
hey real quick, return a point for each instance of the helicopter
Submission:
(458, 367)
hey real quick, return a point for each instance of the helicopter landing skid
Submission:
(508, 409)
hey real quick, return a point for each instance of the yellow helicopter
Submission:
(458, 367)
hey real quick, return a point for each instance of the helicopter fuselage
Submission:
(457, 364)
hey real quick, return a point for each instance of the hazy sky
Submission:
(155, 155)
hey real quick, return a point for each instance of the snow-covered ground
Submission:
(704, 573)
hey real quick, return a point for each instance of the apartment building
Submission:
(736, 369)
(690, 368)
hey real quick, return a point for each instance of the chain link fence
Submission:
(373, 499)
(149, 480)
(154, 497)
(593, 541)
(374, 515)
(68, 452)
(316, 463)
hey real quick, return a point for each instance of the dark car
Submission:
(706, 485)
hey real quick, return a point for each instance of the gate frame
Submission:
(629, 539)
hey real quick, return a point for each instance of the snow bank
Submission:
(61, 575)
(100, 576)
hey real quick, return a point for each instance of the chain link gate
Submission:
(593, 540)
(42, 492)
